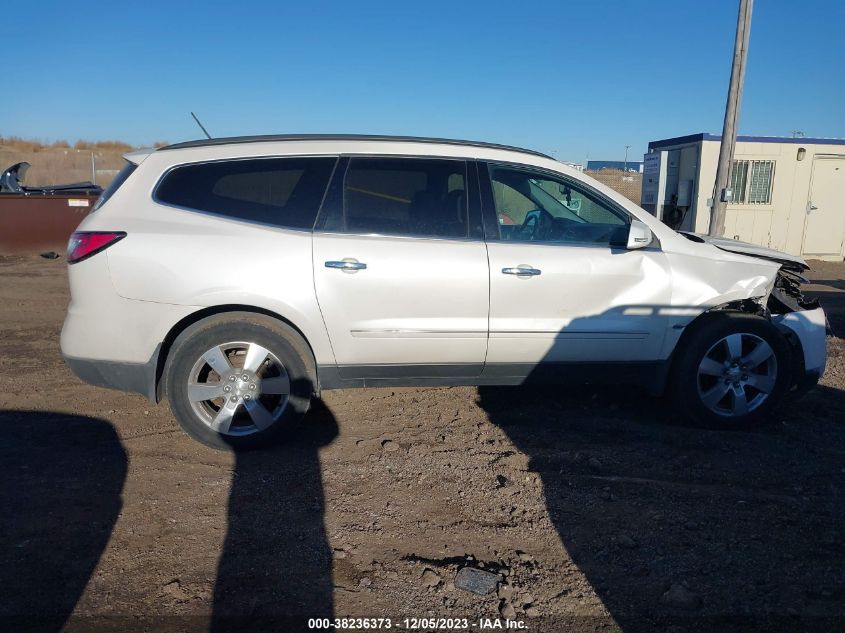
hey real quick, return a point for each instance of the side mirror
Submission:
(639, 235)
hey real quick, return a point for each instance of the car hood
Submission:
(790, 262)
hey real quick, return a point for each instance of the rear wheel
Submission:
(731, 372)
(238, 380)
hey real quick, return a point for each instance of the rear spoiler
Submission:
(137, 157)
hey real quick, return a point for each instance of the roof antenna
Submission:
(202, 127)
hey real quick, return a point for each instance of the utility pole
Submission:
(726, 151)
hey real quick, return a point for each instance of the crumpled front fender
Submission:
(699, 285)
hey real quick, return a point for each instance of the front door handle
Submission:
(522, 269)
(350, 265)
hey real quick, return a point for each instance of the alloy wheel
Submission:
(737, 374)
(238, 388)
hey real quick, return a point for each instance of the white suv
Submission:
(239, 277)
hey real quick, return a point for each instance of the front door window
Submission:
(532, 207)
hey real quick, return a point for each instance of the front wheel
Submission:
(731, 372)
(238, 380)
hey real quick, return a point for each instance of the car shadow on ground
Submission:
(833, 283)
(62, 477)
(276, 565)
(674, 525)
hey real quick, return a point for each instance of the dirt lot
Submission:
(598, 508)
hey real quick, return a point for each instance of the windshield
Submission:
(564, 205)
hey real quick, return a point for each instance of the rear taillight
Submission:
(84, 244)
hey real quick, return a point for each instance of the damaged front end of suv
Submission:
(801, 320)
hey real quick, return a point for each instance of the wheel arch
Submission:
(212, 311)
(745, 307)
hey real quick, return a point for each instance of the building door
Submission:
(825, 227)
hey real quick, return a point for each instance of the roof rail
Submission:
(232, 140)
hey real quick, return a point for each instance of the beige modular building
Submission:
(787, 193)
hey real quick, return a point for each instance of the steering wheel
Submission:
(536, 224)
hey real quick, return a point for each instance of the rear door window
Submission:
(405, 196)
(283, 192)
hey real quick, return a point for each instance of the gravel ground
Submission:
(595, 506)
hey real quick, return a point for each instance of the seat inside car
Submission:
(432, 214)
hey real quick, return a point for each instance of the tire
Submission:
(731, 371)
(264, 384)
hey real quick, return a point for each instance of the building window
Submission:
(760, 186)
(751, 181)
(739, 180)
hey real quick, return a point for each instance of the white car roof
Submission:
(334, 144)
(358, 138)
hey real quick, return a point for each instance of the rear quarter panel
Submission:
(182, 257)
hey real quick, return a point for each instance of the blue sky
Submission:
(576, 79)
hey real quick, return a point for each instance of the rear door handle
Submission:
(522, 269)
(347, 264)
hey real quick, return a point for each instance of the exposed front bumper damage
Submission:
(804, 322)
(810, 328)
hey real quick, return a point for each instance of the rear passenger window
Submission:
(283, 192)
(401, 196)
